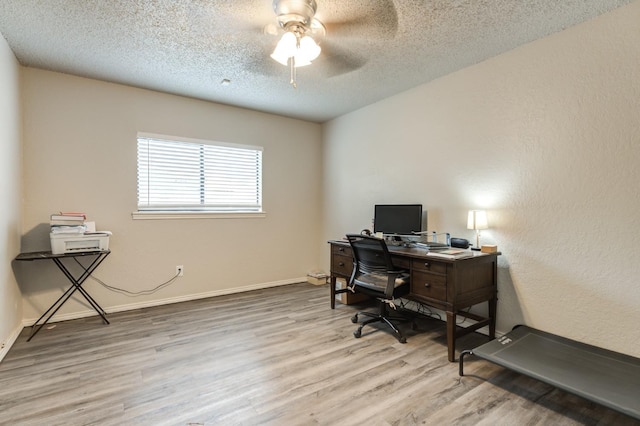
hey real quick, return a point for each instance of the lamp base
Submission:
(477, 247)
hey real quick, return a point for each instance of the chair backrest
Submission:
(373, 270)
(370, 254)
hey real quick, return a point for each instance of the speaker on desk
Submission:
(459, 243)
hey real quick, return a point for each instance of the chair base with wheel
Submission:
(381, 316)
(375, 275)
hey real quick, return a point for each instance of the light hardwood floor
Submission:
(278, 356)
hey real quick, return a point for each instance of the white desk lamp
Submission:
(477, 220)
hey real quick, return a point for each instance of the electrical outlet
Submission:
(180, 270)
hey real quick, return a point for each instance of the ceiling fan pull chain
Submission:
(293, 72)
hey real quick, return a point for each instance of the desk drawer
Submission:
(341, 265)
(426, 284)
(429, 265)
(401, 262)
(341, 250)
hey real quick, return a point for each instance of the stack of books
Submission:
(68, 223)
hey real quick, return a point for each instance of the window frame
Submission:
(177, 213)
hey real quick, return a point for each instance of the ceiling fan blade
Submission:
(258, 61)
(375, 19)
(336, 60)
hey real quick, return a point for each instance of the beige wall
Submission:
(80, 155)
(10, 184)
(547, 139)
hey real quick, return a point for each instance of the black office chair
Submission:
(375, 275)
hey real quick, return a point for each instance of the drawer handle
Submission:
(427, 285)
(340, 249)
(341, 264)
(426, 264)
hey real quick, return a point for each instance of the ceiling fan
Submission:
(302, 33)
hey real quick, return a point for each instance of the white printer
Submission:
(62, 243)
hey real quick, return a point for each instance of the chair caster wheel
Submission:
(357, 334)
(354, 319)
(402, 340)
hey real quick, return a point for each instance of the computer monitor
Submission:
(399, 219)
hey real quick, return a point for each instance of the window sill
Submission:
(196, 215)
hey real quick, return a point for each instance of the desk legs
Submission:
(493, 309)
(76, 285)
(332, 285)
(453, 332)
(451, 336)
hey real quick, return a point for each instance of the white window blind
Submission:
(185, 175)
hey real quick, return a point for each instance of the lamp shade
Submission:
(477, 219)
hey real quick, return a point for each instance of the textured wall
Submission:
(547, 139)
(80, 155)
(10, 184)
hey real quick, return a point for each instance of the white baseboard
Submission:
(10, 341)
(27, 322)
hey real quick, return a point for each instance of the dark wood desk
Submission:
(449, 285)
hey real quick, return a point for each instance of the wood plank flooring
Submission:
(278, 356)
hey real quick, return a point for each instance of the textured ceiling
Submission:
(373, 48)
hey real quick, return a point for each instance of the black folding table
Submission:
(96, 258)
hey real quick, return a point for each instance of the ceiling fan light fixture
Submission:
(301, 62)
(297, 48)
(304, 51)
(280, 58)
(309, 49)
(286, 48)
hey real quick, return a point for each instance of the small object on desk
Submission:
(431, 246)
(438, 246)
(67, 218)
(451, 254)
(489, 248)
(459, 243)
